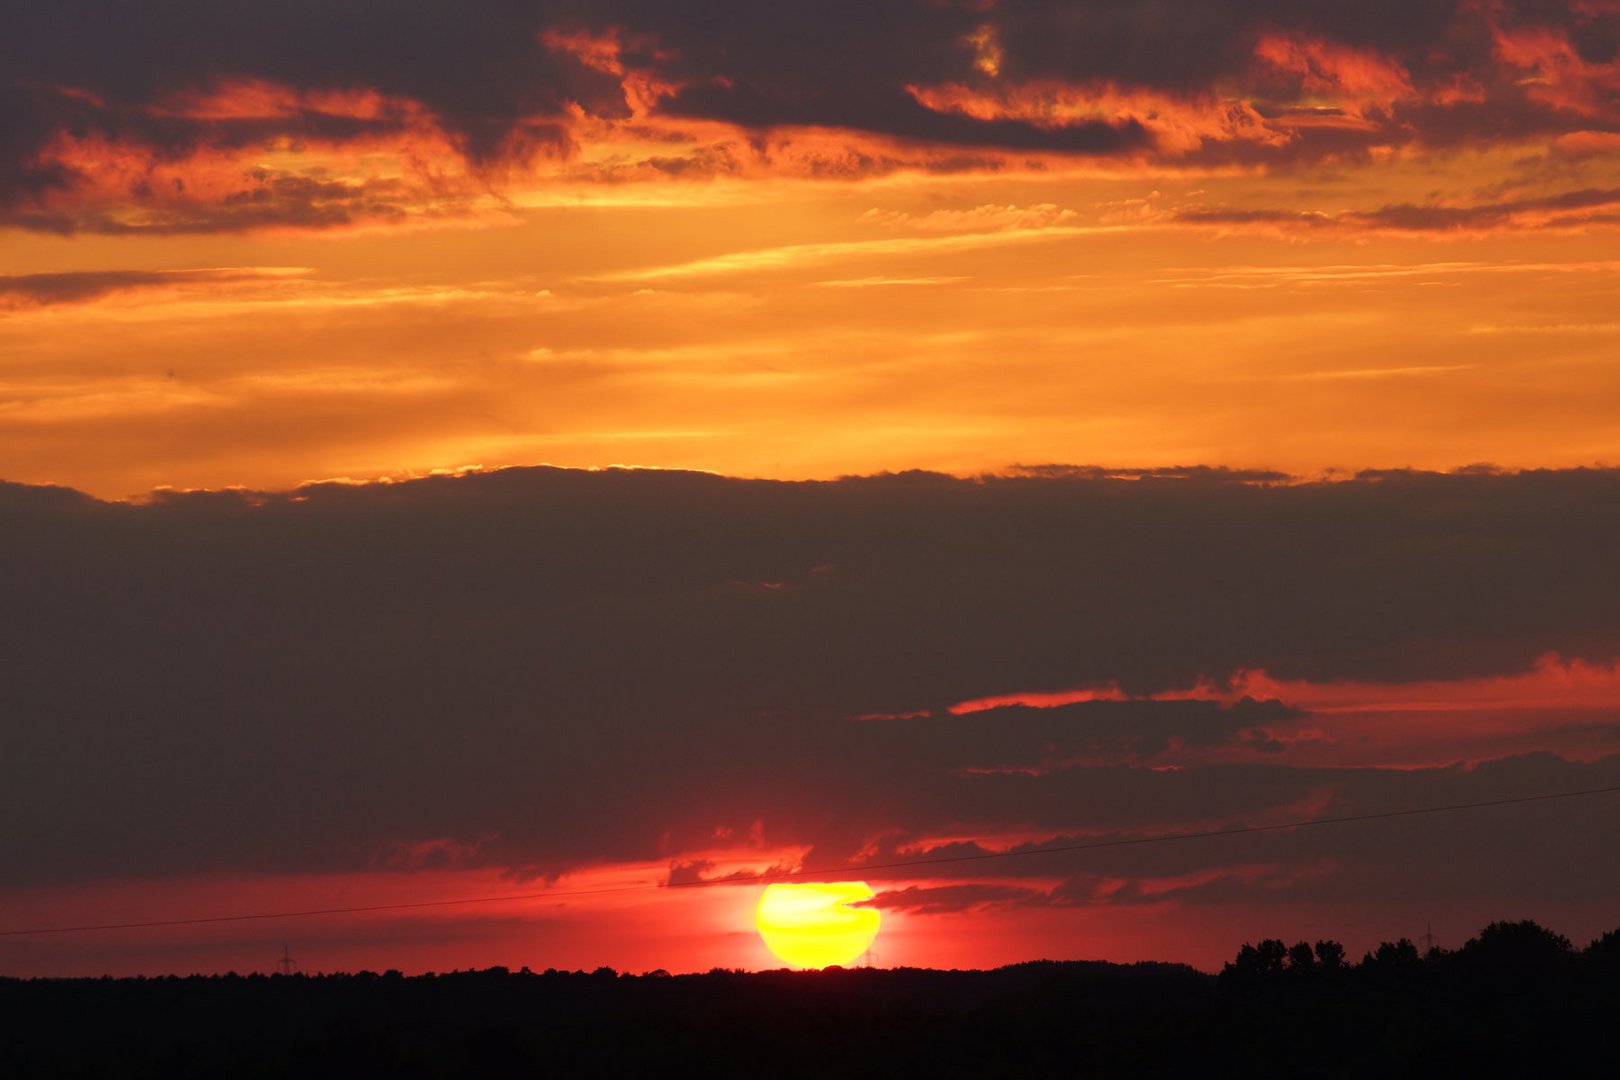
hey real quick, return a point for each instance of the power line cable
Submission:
(743, 879)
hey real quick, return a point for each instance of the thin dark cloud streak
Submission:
(1570, 209)
(78, 286)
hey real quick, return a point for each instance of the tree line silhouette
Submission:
(1523, 949)
(1515, 1000)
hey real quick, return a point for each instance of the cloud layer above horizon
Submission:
(541, 671)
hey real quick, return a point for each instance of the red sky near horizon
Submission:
(1319, 301)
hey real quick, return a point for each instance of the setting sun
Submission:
(813, 926)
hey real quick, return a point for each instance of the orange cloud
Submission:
(604, 51)
(600, 50)
(1356, 80)
(1177, 125)
(260, 99)
(1554, 72)
(987, 54)
(255, 154)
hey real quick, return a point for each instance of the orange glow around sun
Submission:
(813, 926)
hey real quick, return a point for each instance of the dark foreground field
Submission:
(1516, 1001)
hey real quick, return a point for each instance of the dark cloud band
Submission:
(540, 668)
(502, 86)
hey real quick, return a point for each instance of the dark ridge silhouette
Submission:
(1518, 1000)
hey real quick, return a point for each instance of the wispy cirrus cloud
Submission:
(986, 218)
(794, 256)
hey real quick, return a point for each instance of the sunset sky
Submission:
(565, 449)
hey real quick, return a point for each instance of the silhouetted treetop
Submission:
(1330, 955)
(1393, 956)
(1517, 944)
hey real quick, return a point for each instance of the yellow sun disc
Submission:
(812, 926)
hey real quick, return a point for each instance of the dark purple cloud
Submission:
(90, 68)
(853, 65)
(947, 899)
(538, 669)
(499, 89)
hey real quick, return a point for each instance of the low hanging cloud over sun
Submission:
(687, 669)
